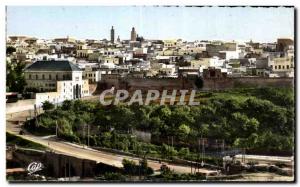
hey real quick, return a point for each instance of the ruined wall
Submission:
(263, 82)
(56, 165)
(244, 82)
(67, 166)
(160, 84)
(26, 156)
(157, 84)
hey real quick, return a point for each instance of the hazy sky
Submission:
(188, 23)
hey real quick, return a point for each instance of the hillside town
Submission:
(66, 68)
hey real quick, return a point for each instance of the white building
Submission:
(57, 80)
(216, 62)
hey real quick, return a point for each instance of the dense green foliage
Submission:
(172, 176)
(15, 80)
(10, 50)
(131, 168)
(47, 106)
(256, 119)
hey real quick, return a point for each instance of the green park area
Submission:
(257, 120)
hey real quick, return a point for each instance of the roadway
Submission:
(15, 119)
(13, 125)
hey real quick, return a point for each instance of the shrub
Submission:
(47, 106)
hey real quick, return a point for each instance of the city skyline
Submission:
(187, 23)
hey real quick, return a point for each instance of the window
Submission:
(29, 76)
(275, 67)
(36, 77)
(279, 67)
(282, 67)
(287, 67)
(50, 77)
(56, 77)
(43, 76)
(271, 66)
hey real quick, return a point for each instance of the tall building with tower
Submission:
(112, 35)
(133, 34)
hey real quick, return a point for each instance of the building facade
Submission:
(55, 81)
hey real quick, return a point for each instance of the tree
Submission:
(168, 151)
(15, 80)
(10, 50)
(183, 131)
(47, 106)
(184, 152)
(144, 169)
(129, 167)
(67, 105)
(199, 82)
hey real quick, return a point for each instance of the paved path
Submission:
(80, 152)
(14, 120)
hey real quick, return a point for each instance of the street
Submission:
(13, 126)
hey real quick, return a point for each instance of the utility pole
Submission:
(203, 152)
(243, 156)
(88, 135)
(56, 128)
(199, 153)
(168, 156)
(223, 147)
(65, 170)
(191, 167)
(69, 170)
(83, 135)
(35, 115)
(217, 152)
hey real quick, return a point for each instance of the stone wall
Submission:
(145, 84)
(160, 84)
(67, 166)
(57, 165)
(244, 82)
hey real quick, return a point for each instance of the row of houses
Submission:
(65, 67)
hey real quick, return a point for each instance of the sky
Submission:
(152, 22)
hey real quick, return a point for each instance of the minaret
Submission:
(112, 35)
(133, 34)
(118, 39)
